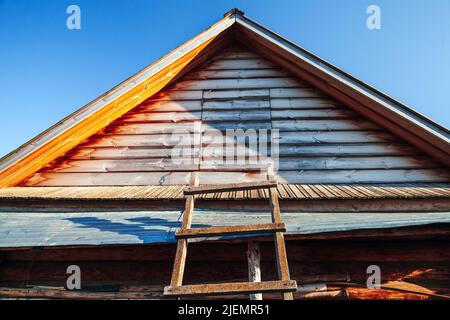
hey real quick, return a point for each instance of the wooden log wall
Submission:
(320, 141)
(142, 271)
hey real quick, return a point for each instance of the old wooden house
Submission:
(362, 182)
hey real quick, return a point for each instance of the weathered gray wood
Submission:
(128, 153)
(235, 94)
(236, 74)
(234, 165)
(110, 179)
(341, 140)
(254, 266)
(217, 139)
(302, 103)
(173, 163)
(299, 125)
(258, 63)
(363, 176)
(367, 149)
(300, 92)
(313, 114)
(255, 83)
(354, 163)
(333, 176)
(236, 115)
(234, 125)
(236, 104)
(321, 163)
(213, 151)
(231, 150)
(231, 53)
(335, 137)
(177, 178)
(158, 128)
(142, 140)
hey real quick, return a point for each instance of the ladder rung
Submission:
(230, 187)
(231, 288)
(231, 230)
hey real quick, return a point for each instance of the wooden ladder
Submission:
(284, 285)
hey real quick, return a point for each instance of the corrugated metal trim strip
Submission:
(285, 191)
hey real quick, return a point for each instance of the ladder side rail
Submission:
(180, 255)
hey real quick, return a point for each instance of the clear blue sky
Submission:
(48, 71)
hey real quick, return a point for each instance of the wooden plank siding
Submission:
(142, 270)
(320, 140)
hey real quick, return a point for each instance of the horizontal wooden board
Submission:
(138, 140)
(156, 128)
(110, 179)
(236, 115)
(230, 230)
(236, 104)
(177, 95)
(230, 288)
(384, 162)
(169, 106)
(318, 163)
(223, 126)
(219, 139)
(311, 137)
(239, 64)
(129, 153)
(332, 176)
(377, 149)
(162, 117)
(335, 137)
(236, 94)
(318, 125)
(256, 83)
(236, 74)
(239, 165)
(296, 93)
(367, 149)
(363, 176)
(313, 114)
(173, 163)
(302, 103)
(235, 54)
